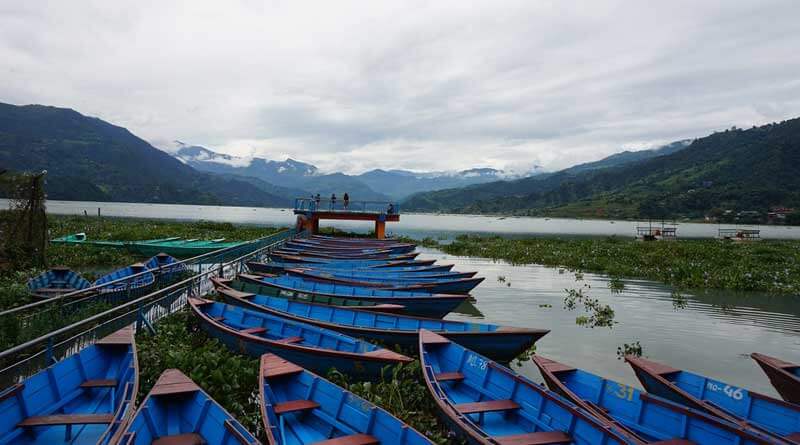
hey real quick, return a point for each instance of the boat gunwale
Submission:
(195, 303)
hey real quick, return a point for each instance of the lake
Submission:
(415, 225)
(712, 335)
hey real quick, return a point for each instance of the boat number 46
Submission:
(730, 391)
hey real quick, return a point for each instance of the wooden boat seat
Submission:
(794, 437)
(487, 406)
(290, 340)
(99, 383)
(67, 419)
(449, 377)
(540, 438)
(181, 439)
(253, 331)
(295, 405)
(353, 439)
(218, 318)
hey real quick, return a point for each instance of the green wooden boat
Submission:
(175, 246)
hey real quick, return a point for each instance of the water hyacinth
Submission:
(767, 266)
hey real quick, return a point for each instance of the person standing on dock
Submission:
(317, 200)
(346, 199)
(333, 201)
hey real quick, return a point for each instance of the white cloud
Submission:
(417, 85)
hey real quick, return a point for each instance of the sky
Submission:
(439, 85)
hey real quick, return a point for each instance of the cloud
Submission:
(419, 85)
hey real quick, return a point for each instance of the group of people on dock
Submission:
(332, 202)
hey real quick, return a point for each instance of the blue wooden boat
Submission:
(376, 256)
(435, 285)
(360, 263)
(83, 399)
(489, 404)
(748, 409)
(177, 412)
(300, 407)
(641, 417)
(500, 343)
(280, 267)
(784, 376)
(256, 333)
(141, 281)
(415, 303)
(57, 281)
(253, 284)
(396, 248)
(391, 275)
(167, 267)
(346, 253)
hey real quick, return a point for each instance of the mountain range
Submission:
(303, 179)
(745, 170)
(89, 159)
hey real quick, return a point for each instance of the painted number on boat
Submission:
(476, 362)
(730, 391)
(623, 392)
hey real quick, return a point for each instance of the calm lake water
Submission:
(712, 335)
(414, 225)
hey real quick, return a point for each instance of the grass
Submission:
(232, 379)
(768, 266)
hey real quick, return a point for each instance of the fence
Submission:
(327, 205)
(25, 359)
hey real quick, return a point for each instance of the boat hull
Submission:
(435, 286)
(318, 359)
(502, 345)
(434, 306)
(330, 412)
(784, 376)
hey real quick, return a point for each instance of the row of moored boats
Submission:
(323, 303)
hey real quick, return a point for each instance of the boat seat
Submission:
(487, 406)
(99, 383)
(540, 438)
(67, 419)
(218, 318)
(794, 437)
(449, 377)
(295, 405)
(181, 439)
(353, 439)
(290, 340)
(253, 331)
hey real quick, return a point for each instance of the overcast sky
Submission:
(418, 85)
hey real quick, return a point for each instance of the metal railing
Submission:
(328, 205)
(25, 359)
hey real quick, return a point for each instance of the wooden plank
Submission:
(274, 366)
(539, 438)
(353, 439)
(67, 419)
(122, 337)
(173, 381)
(99, 383)
(449, 377)
(181, 439)
(290, 340)
(253, 331)
(487, 406)
(295, 405)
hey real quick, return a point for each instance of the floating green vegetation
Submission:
(679, 301)
(770, 266)
(616, 285)
(600, 315)
(634, 349)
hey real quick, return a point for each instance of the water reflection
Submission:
(713, 334)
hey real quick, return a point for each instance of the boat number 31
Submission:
(730, 391)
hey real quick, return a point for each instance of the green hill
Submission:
(89, 159)
(736, 169)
